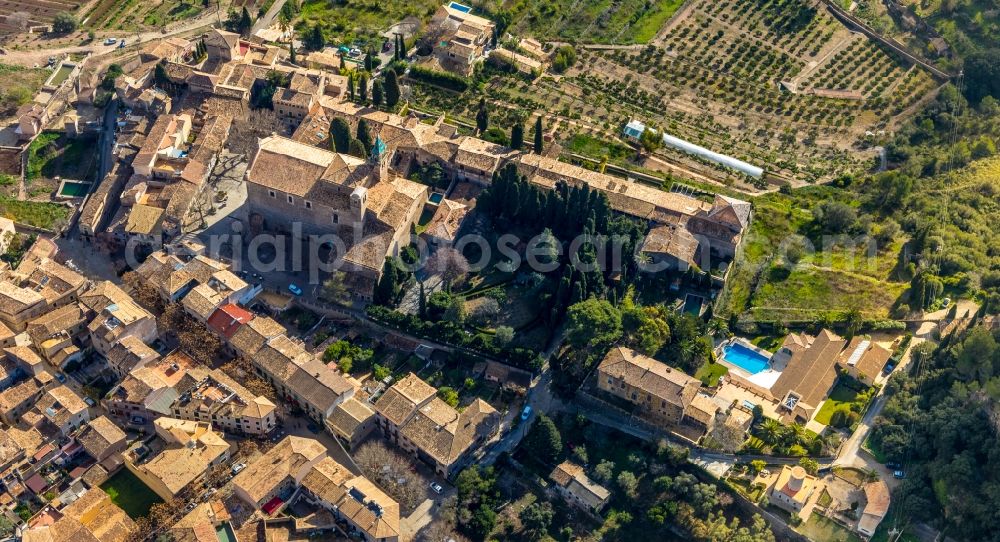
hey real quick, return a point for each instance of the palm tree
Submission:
(770, 429)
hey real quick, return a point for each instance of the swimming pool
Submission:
(745, 358)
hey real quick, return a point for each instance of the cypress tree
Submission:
(369, 62)
(482, 116)
(315, 40)
(363, 88)
(350, 87)
(517, 136)
(246, 23)
(340, 135)
(343, 63)
(378, 95)
(291, 51)
(391, 89)
(355, 148)
(538, 135)
(364, 135)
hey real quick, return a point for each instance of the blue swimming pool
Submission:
(744, 358)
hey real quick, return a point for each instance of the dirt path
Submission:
(40, 57)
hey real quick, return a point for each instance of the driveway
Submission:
(426, 512)
(851, 454)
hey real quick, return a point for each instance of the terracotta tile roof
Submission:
(400, 400)
(573, 478)
(447, 220)
(99, 435)
(23, 354)
(288, 166)
(17, 394)
(60, 404)
(355, 498)
(348, 416)
(647, 374)
(702, 409)
(624, 196)
(196, 446)
(227, 319)
(810, 372)
(865, 355)
(10, 451)
(129, 352)
(91, 518)
(285, 460)
(672, 239)
(14, 299)
(52, 322)
(446, 434)
(250, 338)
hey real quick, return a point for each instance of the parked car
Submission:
(898, 474)
(294, 289)
(436, 487)
(526, 413)
(892, 465)
(238, 468)
(110, 41)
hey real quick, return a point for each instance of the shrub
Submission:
(446, 80)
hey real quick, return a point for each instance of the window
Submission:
(336, 219)
(271, 193)
(309, 204)
(291, 200)
(610, 380)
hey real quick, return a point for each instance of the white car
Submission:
(238, 468)
(110, 41)
(436, 487)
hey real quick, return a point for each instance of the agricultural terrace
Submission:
(808, 86)
(18, 86)
(348, 21)
(791, 90)
(130, 15)
(14, 14)
(824, 283)
(599, 21)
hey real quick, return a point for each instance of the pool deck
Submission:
(764, 379)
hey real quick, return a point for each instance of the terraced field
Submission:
(777, 82)
(593, 21)
(137, 14)
(33, 12)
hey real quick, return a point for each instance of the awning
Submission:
(272, 505)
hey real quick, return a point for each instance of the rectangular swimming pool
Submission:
(744, 358)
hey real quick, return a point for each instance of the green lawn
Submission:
(597, 21)
(349, 20)
(825, 499)
(821, 529)
(832, 280)
(18, 85)
(128, 492)
(841, 395)
(50, 216)
(709, 373)
(52, 155)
